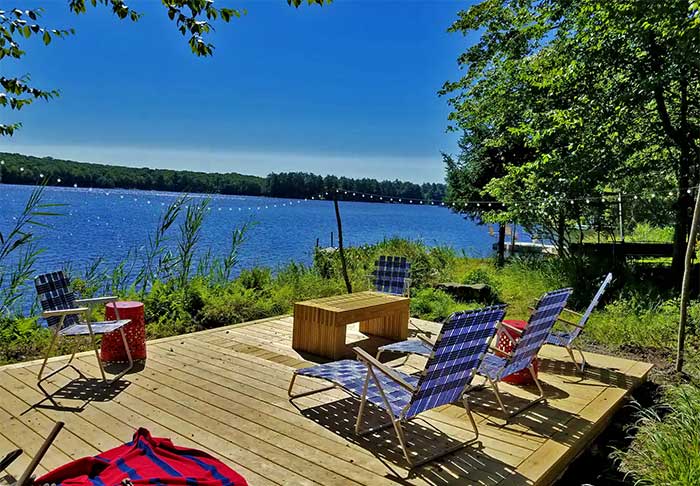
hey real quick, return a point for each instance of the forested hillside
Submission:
(25, 169)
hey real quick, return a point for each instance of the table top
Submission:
(357, 300)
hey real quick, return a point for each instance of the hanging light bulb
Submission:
(588, 201)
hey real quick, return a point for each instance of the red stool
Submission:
(521, 377)
(112, 345)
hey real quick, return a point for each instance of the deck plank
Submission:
(225, 391)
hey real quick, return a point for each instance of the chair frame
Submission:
(373, 366)
(478, 349)
(582, 321)
(494, 384)
(502, 331)
(84, 310)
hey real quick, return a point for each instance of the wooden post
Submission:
(685, 288)
(501, 251)
(348, 285)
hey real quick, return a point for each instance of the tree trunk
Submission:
(685, 289)
(344, 265)
(682, 219)
(501, 259)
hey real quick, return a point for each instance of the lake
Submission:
(106, 223)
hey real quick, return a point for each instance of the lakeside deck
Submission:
(225, 391)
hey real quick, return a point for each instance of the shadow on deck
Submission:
(225, 391)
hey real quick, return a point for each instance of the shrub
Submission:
(21, 339)
(432, 305)
(666, 446)
(630, 323)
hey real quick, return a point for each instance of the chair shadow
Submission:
(604, 377)
(85, 390)
(424, 439)
(541, 420)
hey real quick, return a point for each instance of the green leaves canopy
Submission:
(562, 99)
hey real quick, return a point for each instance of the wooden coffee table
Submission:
(319, 324)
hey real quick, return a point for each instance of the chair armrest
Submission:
(500, 351)
(577, 314)
(97, 300)
(569, 323)
(64, 312)
(362, 355)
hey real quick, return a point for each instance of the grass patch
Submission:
(666, 445)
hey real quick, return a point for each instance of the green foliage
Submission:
(634, 325)
(666, 445)
(433, 305)
(21, 339)
(562, 103)
(25, 169)
(305, 185)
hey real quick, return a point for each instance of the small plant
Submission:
(666, 445)
(432, 305)
(19, 251)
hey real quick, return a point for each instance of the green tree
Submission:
(194, 19)
(581, 98)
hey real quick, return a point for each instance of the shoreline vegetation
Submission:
(186, 288)
(29, 170)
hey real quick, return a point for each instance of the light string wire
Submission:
(556, 199)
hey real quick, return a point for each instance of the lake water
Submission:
(99, 223)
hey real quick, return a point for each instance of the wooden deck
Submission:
(225, 391)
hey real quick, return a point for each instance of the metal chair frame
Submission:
(373, 367)
(83, 310)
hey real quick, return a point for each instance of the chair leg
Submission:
(97, 353)
(363, 401)
(54, 338)
(465, 401)
(304, 394)
(128, 355)
(583, 358)
(494, 386)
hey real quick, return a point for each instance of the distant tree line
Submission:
(25, 169)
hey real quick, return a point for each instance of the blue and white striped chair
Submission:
(566, 339)
(500, 364)
(392, 275)
(62, 312)
(458, 352)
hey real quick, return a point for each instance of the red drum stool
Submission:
(112, 345)
(521, 377)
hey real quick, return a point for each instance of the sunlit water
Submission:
(107, 224)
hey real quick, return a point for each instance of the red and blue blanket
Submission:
(145, 460)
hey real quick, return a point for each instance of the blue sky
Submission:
(348, 89)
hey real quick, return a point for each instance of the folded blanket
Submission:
(145, 460)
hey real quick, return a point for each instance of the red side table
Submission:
(521, 377)
(112, 345)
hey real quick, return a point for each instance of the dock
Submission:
(224, 391)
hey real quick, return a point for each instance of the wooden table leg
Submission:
(392, 325)
(315, 333)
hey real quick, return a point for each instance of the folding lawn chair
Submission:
(62, 312)
(566, 339)
(458, 351)
(392, 275)
(495, 367)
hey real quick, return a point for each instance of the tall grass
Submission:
(666, 445)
